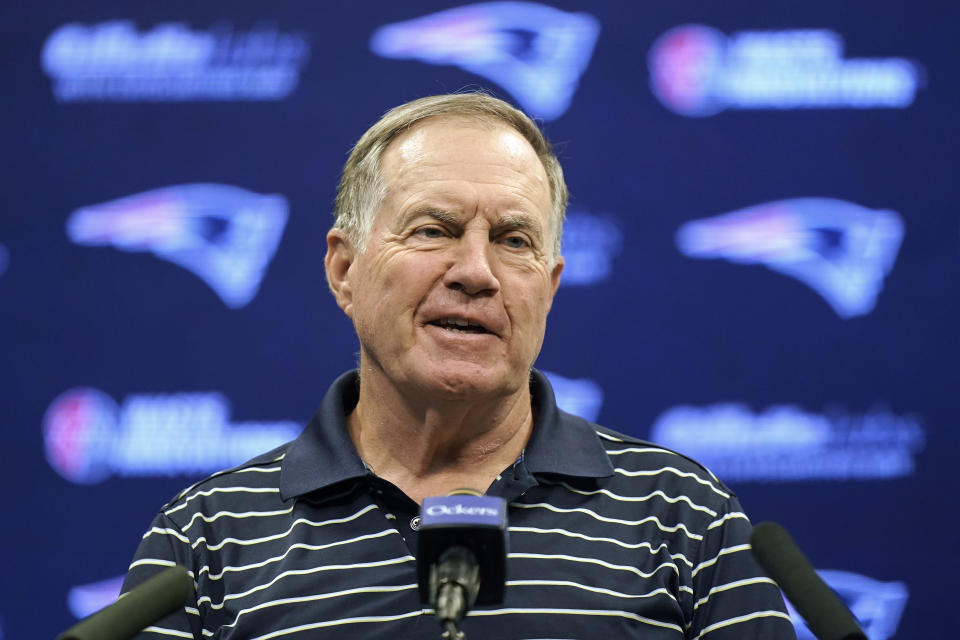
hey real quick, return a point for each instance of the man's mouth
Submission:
(459, 324)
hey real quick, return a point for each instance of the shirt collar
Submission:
(324, 455)
(561, 442)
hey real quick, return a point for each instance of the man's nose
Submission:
(471, 270)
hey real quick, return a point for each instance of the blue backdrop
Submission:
(762, 257)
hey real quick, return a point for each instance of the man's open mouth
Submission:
(458, 324)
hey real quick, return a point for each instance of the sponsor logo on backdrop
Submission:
(117, 62)
(225, 235)
(535, 52)
(580, 396)
(88, 437)
(784, 443)
(876, 605)
(590, 243)
(696, 70)
(839, 249)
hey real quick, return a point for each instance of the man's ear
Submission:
(555, 274)
(555, 278)
(340, 256)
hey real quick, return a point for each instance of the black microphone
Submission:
(143, 605)
(827, 617)
(461, 554)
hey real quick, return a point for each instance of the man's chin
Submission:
(470, 381)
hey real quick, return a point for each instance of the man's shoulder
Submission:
(634, 457)
(255, 481)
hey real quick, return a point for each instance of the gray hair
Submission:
(361, 190)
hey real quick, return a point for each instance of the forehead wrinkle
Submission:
(410, 169)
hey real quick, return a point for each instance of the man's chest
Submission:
(352, 571)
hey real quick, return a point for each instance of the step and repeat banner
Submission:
(763, 257)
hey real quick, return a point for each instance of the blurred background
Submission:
(763, 257)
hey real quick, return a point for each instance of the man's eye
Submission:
(516, 242)
(430, 232)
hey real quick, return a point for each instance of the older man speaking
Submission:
(445, 254)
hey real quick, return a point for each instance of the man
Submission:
(445, 254)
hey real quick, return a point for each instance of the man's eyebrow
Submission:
(440, 215)
(521, 222)
(509, 221)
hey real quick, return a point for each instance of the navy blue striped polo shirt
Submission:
(609, 536)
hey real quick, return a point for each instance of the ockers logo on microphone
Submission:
(460, 510)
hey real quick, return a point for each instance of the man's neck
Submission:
(432, 447)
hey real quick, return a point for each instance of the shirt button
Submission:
(415, 523)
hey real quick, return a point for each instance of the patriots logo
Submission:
(224, 234)
(86, 599)
(839, 249)
(535, 52)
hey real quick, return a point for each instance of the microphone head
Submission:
(477, 523)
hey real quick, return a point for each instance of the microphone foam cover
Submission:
(827, 617)
(145, 604)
